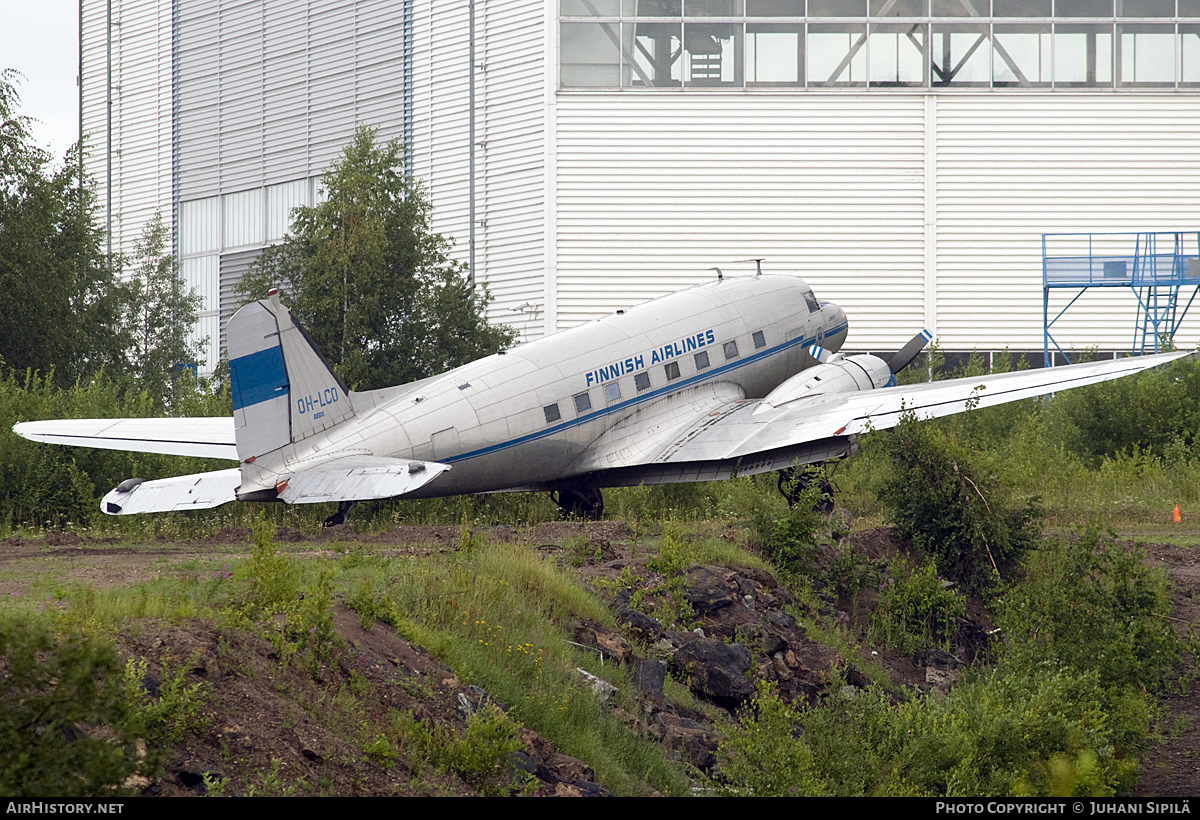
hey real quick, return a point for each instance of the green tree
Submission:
(60, 299)
(373, 284)
(161, 314)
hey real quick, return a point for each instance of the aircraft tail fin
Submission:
(283, 388)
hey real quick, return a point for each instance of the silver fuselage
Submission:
(525, 418)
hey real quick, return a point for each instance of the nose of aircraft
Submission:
(836, 326)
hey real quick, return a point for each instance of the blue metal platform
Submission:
(1155, 266)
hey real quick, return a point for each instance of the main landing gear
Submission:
(342, 515)
(585, 504)
(795, 480)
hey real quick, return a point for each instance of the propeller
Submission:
(906, 354)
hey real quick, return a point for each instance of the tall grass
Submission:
(501, 617)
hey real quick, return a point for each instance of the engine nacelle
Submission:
(839, 375)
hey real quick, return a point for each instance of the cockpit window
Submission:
(813, 306)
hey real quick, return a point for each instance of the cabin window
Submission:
(701, 359)
(672, 370)
(583, 403)
(642, 381)
(813, 307)
(552, 414)
(612, 392)
(730, 350)
(759, 339)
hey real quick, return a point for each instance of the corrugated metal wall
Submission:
(273, 90)
(906, 209)
(510, 150)
(654, 189)
(1014, 166)
(140, 154)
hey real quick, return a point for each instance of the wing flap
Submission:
(204, 437)
(359, 478)
(199, 491)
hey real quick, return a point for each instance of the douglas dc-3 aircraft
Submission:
(736, 377)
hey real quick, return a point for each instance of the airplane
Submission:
(735, 377)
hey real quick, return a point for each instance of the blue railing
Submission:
(1155, 265)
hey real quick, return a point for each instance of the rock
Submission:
(942, 669)
(611, 645)
(649, 677)
(715, 670)
(706, 591)
(694, 742)
(599, 686)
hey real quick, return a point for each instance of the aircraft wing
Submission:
(198, 491)
(359, 478)
(203, 437)
(350, 478)
(737, 436)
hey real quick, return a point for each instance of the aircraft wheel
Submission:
(794, 480)
(342, 515)
(585, 504)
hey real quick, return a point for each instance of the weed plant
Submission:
(481, 755)
(1091, 603)
(917, 610)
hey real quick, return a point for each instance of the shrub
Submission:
(66, 728)
(948, 499)
(1090, 604)
(997, 733)
(764, 758)
(790, 540)
(916, 610)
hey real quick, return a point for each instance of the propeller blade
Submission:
(819, 353)
(906, 354)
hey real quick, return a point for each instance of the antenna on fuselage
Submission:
(757, 264)
(720, 276)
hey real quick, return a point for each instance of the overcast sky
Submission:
(41, 40)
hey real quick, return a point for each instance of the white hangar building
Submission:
(903, 156)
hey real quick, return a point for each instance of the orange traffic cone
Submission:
(1178, 516)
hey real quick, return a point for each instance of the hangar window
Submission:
(583, 403)
(854, 44)
(731, 350)
(672, 370)
(701, 360)
(759, 339)
(642, 381)
(552, 414)
(612, 392)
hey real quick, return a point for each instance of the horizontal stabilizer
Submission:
(204, 437)
(359, 478)
(186, 492)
